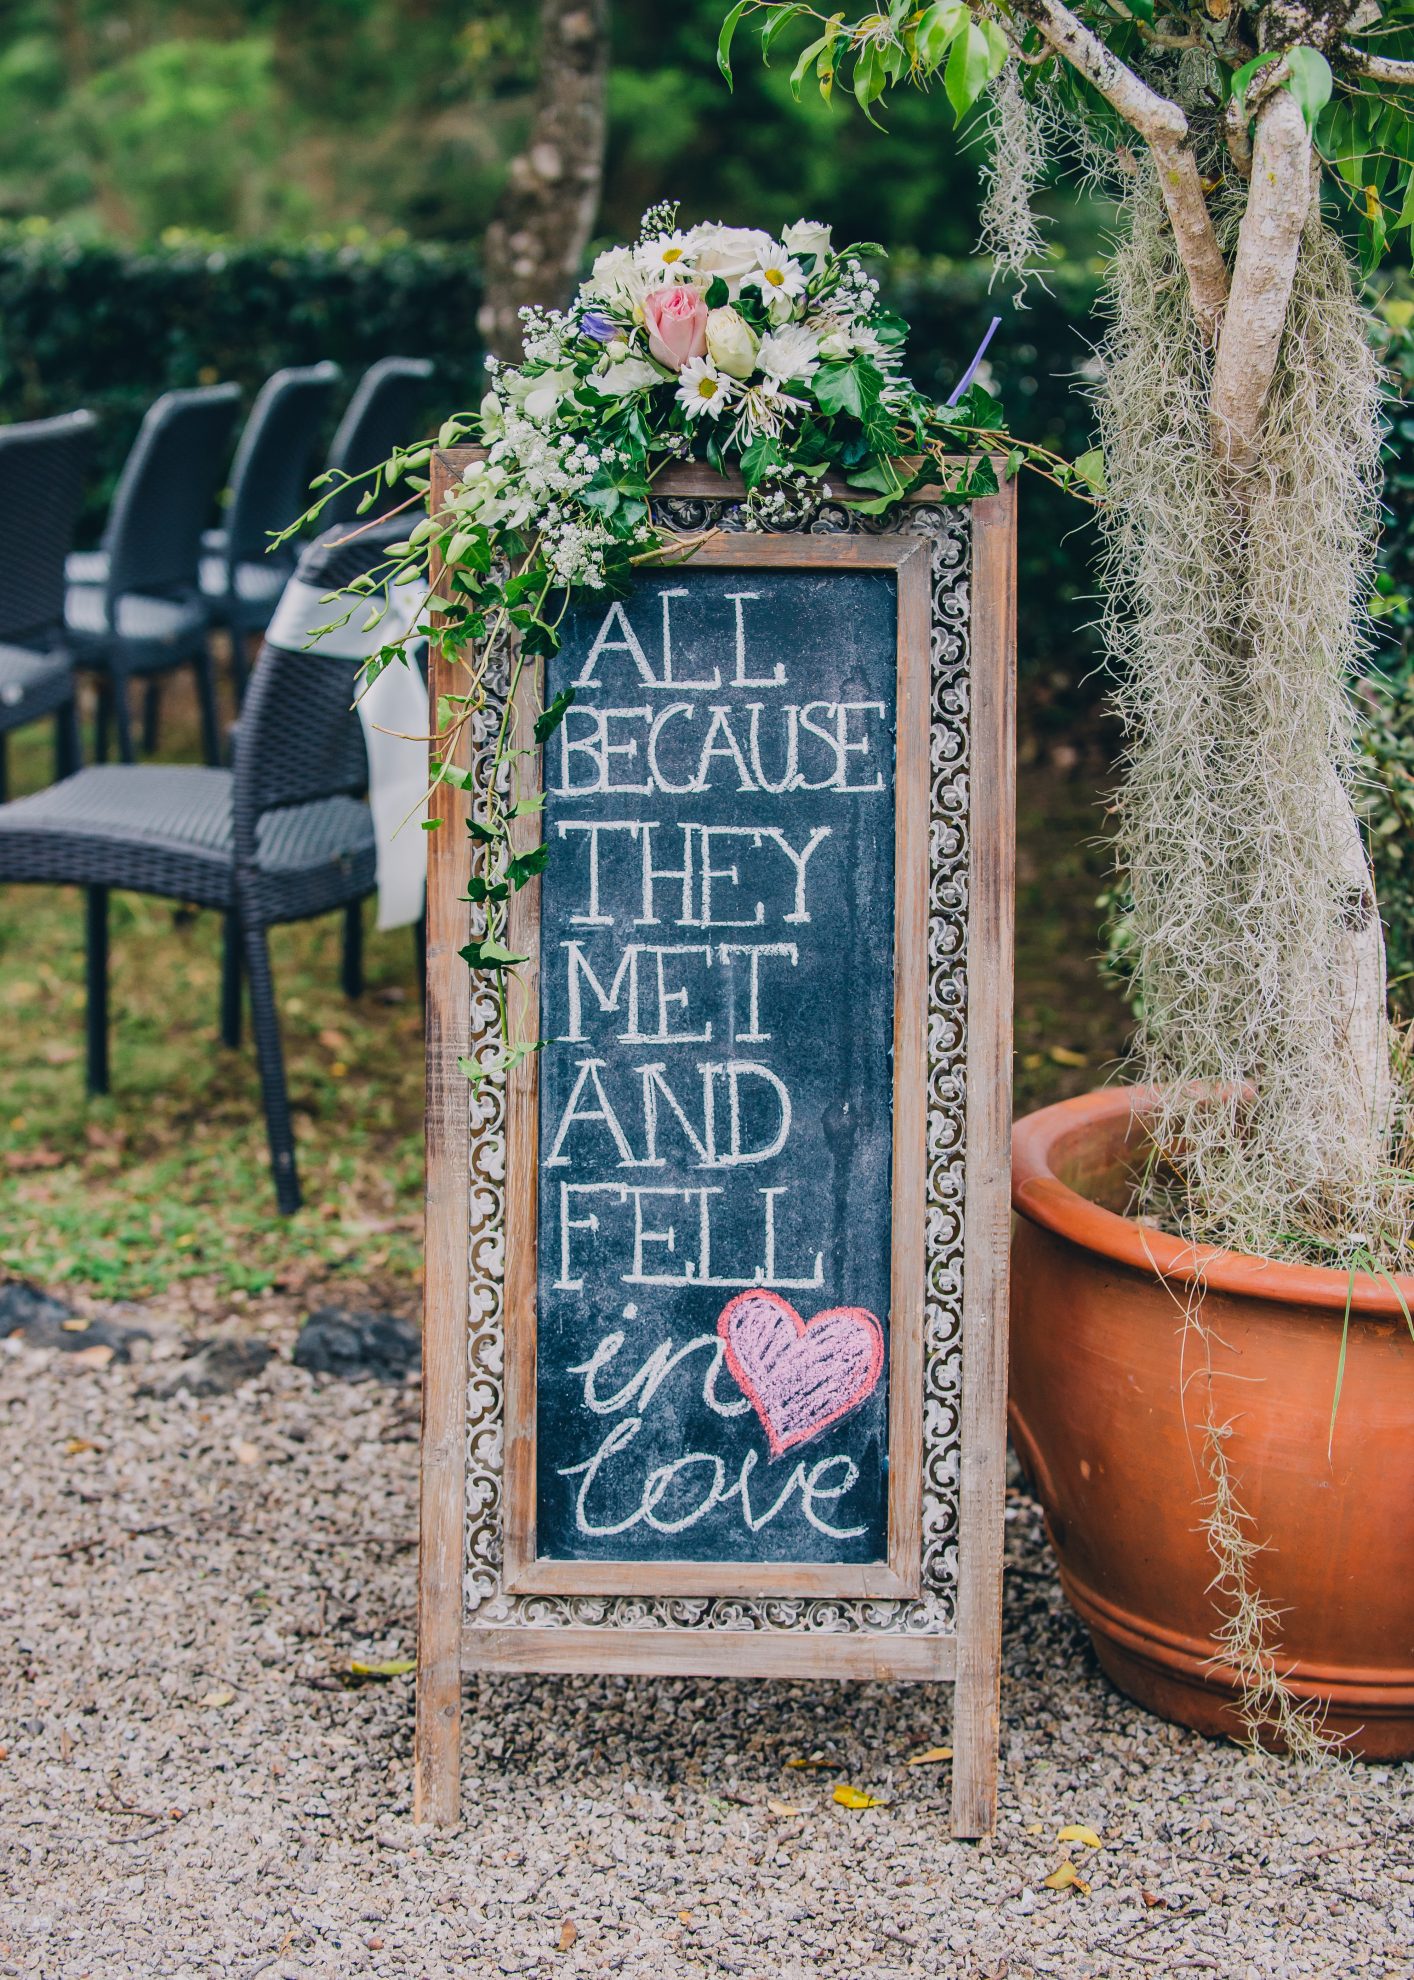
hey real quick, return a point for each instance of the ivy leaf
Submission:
(1309, 82)
(854, 388)
(724, 39)
(759, 459)
(489, 954)
(547, 722)
(524, 867)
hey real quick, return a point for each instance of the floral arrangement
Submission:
(712, 343)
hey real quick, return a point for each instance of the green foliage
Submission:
(93, 323)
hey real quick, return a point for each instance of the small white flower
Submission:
(765, 408)
(629, 375)
(807, 237)
(778, 275)
(544, 393)
(703, 389)
(791, 352)
(616, 350)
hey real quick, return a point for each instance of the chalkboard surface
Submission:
(716, 1107)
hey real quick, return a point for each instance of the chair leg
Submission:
(151, 717)
(102, 719)
(231, 982)
(206, 695)
(97, 953)
(266, 1024)
(68, 746)
(123, 719)
(353, 949)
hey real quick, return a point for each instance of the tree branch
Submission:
(1164, 129)
(1377, 68)
(1262, 275)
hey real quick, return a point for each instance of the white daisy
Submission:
(779, 275)
(665, 259)
(703, 389)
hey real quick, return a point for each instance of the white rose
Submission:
(731, 342)
(616, 277)
(616, 350)
(729, 252)
(780, 308)
(631, 375)
(838, 344)
(807, 237)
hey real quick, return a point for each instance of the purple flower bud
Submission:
(601, 328)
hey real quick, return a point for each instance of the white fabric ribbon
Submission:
(394, 714)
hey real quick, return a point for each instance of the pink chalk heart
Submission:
(800, 1376)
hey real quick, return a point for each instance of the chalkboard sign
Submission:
(715, 1298)
(723, 975)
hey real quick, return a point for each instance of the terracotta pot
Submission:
(1108, 1397)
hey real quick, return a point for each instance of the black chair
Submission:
(42, 464)
(134, 609)
(381, 415)
(270, 478)
(283, 836)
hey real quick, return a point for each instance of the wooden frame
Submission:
(524, 1572)
(970, 1654)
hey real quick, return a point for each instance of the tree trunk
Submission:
(1283, 185)
(543, 221)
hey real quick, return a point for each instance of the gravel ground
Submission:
(187, 1786)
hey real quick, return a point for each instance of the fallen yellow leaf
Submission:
(1035, 1828)
(218, 1698)
(1062, 1055)
(853, 1797)
(569, 1932)
(810, 1763)
(75, 1446)
(782, 1808)
(1065, 1877)
(927, 1759)
(390, 1667)
(1077, 1832)
(97, 1356)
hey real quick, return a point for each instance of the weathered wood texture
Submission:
(442, 1517)
(987, 1244)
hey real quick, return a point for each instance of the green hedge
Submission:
(91, 323)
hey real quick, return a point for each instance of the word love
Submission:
(798, 1390)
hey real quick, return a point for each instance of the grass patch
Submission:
(167, 1177)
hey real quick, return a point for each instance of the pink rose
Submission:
(676, 317)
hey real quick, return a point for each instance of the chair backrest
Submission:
(299, 736)
(42, 466)
(167, 490)
(275, 458)
(381, 415)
